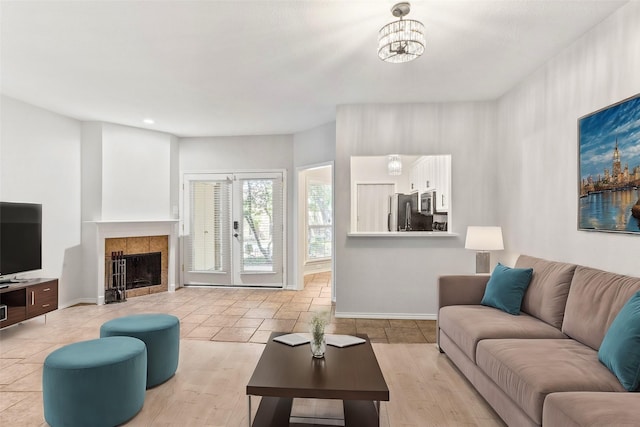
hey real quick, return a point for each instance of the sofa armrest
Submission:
(461, 290)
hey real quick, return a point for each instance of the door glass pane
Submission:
(257, 225)
(210, 205)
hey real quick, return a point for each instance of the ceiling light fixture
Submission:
(402, 40)
(394, 167)
(148, 121)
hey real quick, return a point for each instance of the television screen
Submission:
(20, 237)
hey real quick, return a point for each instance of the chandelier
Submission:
(394, 167)
(401, 40)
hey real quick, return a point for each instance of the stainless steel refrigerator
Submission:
(404, 214)
(400, 208)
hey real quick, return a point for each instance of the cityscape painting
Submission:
(609, 168)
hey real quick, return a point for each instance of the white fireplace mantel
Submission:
(107, 229)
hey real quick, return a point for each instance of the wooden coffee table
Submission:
(351, 374)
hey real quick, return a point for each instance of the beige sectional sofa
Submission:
(541, 367)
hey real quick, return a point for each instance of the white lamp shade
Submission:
(484, 238)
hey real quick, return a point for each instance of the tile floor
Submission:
(237, 315)
(250, 315)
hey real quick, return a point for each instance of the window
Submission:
(318, 221)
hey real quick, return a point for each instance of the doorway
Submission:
(314, 224)
(233, 231)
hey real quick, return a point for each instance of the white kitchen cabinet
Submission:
(414, 178)
(443, 183)
(422, 174)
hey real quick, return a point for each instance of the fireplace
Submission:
(132, 237)
(138, 264)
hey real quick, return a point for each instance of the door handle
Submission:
(235, 225)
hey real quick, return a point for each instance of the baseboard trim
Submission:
(400, 316)
(77, 301)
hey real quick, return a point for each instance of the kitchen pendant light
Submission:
(402, 40)
(394, 167)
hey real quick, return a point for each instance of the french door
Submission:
(233, 229)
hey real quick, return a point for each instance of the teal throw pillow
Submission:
(506, 288)
(620, 348)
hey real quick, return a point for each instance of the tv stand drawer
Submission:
(42, 298)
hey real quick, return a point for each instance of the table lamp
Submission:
(483, 240)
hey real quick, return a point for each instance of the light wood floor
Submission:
(209, 386)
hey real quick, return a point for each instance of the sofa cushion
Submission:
(574, 409)
(506, 288)
(620, 349)
(528, 370)
(547, 293)
(466, 325)
(595, 298)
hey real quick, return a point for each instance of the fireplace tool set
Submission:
(117, 283)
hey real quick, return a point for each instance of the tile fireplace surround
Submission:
(141, 236)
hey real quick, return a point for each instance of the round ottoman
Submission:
(161, 334)
(94, 383)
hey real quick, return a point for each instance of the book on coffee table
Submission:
(343, 340)
(292, 339)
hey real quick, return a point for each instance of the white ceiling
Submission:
(268, 67)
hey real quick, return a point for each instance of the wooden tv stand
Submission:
(28, 299)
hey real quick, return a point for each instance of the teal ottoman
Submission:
(94, 383)
(161, 334)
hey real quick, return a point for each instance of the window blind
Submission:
(208, 243)
(318, 221)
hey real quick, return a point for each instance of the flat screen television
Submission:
(20, 238)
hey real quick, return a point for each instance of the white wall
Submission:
(243, 153)
(136, 173)
(91, 164)
(539, 145)
(396, 276)
(174, 168)
(40, 163)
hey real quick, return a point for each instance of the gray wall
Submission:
(314, 146)
(539, 145)
(396, 276)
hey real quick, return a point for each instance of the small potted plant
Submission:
(318, 341)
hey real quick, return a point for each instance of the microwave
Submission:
(427, 203)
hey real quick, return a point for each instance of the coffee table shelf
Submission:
(350, 374)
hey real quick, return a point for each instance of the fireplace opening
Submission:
(141, 270)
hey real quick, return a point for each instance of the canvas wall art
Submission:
(609, 168)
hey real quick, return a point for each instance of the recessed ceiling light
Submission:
(149, 121)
